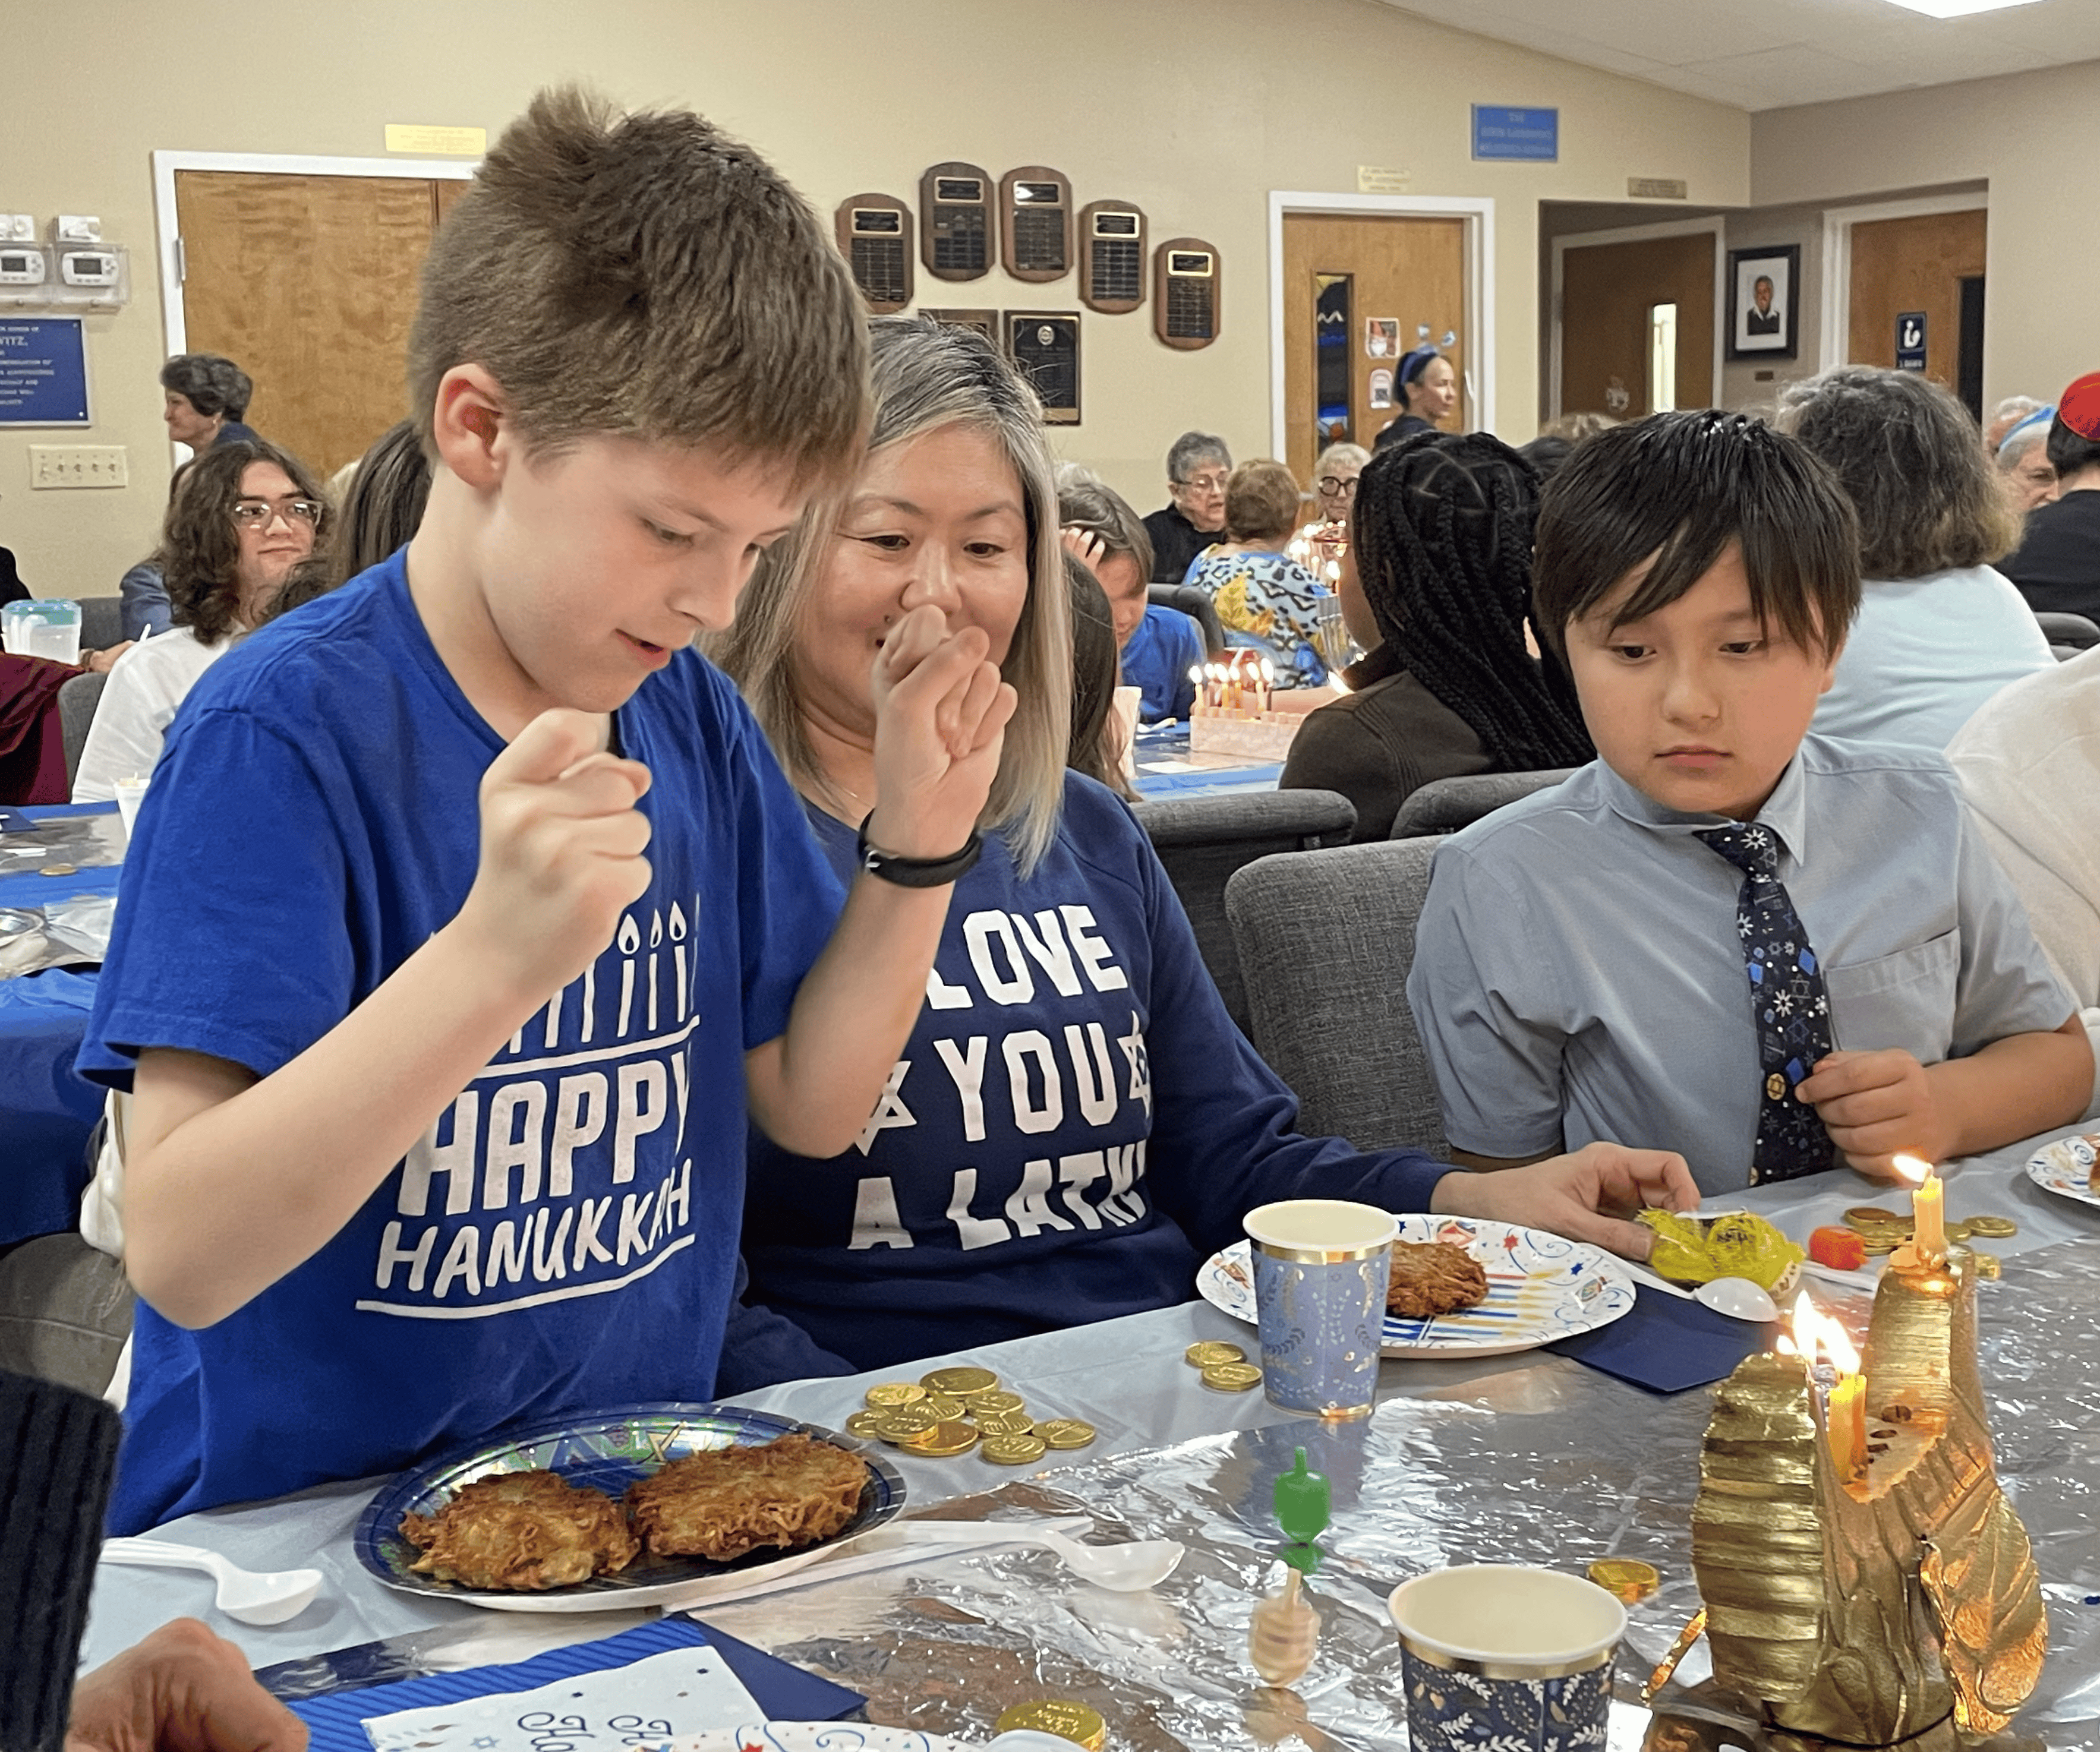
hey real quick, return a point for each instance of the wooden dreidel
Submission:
(1284, 1633)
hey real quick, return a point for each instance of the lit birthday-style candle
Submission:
(1928, 1206)
(1817, 1335)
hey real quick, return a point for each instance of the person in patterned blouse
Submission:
(1265, 600)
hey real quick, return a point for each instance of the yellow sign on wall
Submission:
(426, 141)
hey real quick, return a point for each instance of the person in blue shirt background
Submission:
(1076, 1121)
(1158, 646)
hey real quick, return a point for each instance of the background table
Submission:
(1166, 768)
(47, 1109)
(1126, 1376)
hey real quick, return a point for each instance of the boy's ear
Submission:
(470, 424)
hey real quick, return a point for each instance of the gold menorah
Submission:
(1865, 1604)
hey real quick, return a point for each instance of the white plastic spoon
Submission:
(243, 1596)
(1738, 1298)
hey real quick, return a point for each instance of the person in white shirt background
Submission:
(243, 515)
(1940, 631)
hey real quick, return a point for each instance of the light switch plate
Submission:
(68, 465)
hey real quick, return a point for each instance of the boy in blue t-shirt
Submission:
(1767, 950)
(1157, 647)
(470, 914)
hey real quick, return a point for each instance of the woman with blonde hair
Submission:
(1075, 1122)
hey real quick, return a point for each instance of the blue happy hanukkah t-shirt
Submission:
(564, 1235)
(1075, 1124)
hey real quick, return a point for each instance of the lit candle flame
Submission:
(1912, 1168)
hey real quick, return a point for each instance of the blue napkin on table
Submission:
(336, 1723)
(1666, 1344)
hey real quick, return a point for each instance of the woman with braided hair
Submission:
(1438, 585)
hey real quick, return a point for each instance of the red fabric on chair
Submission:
(32, 746)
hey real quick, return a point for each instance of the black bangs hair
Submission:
(1659, 500)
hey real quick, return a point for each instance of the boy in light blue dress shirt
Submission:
(1770, 951)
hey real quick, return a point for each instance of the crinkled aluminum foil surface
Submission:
(1547, 1463)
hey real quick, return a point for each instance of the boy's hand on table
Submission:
(940, 713)
(562, 846)
(1579, 1195)
(182, 1689)
(1876, 1105)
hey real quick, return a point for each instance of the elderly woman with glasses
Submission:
(244, 514)
(1197, 468)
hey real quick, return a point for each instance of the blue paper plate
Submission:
(607, 1451)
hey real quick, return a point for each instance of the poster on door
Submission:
(1381, 337)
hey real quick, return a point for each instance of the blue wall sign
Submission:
(1532, 134)
(1910, 340)
(43, 372)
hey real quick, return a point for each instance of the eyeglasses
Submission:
(1334, 486)
(1206, 483)
(255, 513)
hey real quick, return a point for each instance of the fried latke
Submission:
(793, 1491)
(520, 1532)
(1432, 1278)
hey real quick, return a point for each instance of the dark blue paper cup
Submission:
(1503, 1656)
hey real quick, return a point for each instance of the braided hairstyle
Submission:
(1442, 538)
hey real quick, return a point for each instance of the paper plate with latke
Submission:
(2065, 1168)
(1541, 1287)
(608, 1450)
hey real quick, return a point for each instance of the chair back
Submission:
(101, 622)
(1203, 840)
(1195, 606)
(1326, 940)
(1444, 806)
(2077, 631)
(77, 700)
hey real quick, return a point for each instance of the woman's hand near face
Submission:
(941, 712)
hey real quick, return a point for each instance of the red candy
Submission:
(1841, 1249)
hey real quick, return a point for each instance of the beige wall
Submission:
(2024, 134)
(1195, 113)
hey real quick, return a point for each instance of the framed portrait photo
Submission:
(1764, 286)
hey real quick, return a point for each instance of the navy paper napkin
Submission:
(336, 1723)
(1667, 1344)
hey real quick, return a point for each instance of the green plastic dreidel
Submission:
(1303, 1502)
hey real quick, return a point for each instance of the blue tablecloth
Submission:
(46, 1108)
(1166, 768)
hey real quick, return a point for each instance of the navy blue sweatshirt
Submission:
(1074, 1126)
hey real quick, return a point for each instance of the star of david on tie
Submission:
(1788, 1000)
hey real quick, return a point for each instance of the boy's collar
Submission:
(1785, 811)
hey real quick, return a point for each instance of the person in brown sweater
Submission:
(1437, 586)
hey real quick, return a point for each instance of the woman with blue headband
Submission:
(1427, 390)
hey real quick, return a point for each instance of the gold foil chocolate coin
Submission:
(961, 1380)
(1986, 1264)
(1210, 1350)
(891, 1394)
(1004, 1422)
(1993, 1228)
(1631, 1579)
(1066, 1432)
(946, 1406)
(1013, 1450)
(1232, 1377)
(990, 1403)
(942, 1440)
(1868, 1215)
(59, 870)
(862, 1423)
(900, 1422)
(1068, 1721)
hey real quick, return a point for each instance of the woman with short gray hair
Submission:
(1196, 466)
(206, 396)
(1940, 631)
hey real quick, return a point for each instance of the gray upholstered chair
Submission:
(1202, 840)
(1326, 940)
(2068, 635)
(1195, 606)
(101, 623)
(77, 699)
(1444, 806)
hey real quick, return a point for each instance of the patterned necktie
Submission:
(1788, 1000)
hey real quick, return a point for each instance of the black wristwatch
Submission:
(916, 873)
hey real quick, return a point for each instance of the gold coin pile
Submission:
(1886, 1230)
(1225, 1367)
(952, 1410)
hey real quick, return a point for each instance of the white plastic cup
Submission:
(1504, 1655)
(130, 793)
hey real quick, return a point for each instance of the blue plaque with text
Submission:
(43, 372)
(1527, 134)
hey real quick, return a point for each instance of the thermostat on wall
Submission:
(90, 267)
(23, 267)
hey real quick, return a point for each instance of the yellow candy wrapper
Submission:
(1699, 1249)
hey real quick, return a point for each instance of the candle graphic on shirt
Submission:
(655, 942)
(630, 941)
(679, 955)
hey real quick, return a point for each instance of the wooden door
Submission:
(1608, 292)
(1411, 272)
(309, 284)
(1901, 266)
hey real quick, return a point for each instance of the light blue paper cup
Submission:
(1503, 1656)
(1320, 1272)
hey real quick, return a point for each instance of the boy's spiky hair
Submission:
(646, 276)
